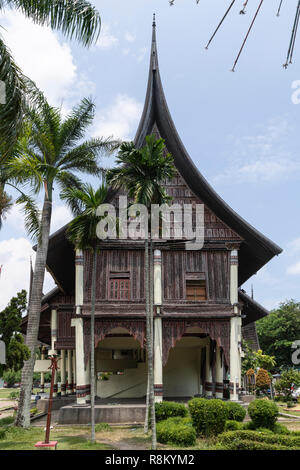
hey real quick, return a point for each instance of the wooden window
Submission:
(196, 290)
(119, 289)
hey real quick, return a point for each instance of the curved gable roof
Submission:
(256, 250)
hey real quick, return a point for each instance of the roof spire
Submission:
(154, 22)
(154, 50)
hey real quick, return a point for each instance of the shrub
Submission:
(34, 411)
(100, 427)
(170, 409)
(176, 431)
(263, 413)
(279, 441)
(6, 421)
(209, 416)
(14, 394)
(233, 425)
(2, 433)
(280, 429)
(263, 380)
(235, 412)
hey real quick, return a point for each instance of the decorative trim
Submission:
(218, 330)
(79, 260)
(208, 386)
(158, 390)
(219, 387)
(136, 328)
(83, 391)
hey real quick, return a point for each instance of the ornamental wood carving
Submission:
(218, 330)
(136, 328)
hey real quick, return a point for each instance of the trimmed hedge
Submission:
(263, 413)
(235, 411)
(170, 409)
(232, 425)
(209, 416)
(233, 438)
(178, 431)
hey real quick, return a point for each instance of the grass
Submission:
(68, 439)
(5, 392)
(290, 411)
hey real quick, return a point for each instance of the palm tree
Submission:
(77, 19)
(51, 151)
(84, 203)
(142, 172)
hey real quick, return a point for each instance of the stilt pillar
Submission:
(53, 341)
(158, 365)
(208, 371)
(235, 330)
(83, 387)
(69, 371)
(63, 372)
(219, 373)
(157, 296)
(74, 370)
(42, 382)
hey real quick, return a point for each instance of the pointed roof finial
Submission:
(154, 22)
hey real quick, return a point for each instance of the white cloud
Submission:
(45, 59)
(15, 256)
(129, 37)
(294, 269)
(106, 39)
(61, 215)
(262, 157)
(120, 119)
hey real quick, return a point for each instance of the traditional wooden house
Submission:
(200, 310)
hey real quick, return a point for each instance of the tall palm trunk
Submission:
(23, 414)
(93, 294)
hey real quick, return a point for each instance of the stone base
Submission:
(112, 414)
(57, 403)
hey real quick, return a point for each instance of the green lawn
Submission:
(68, 439)
(5, 392)
(290, 411)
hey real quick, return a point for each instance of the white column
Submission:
(63, 372)
(219, 373)
(235, 330)
(157, 296)
(78, 281)
(74, 370)
(69, 371)
(157, 278)
(158, 363)
(53, 341)
(208, 371)
(82, 370)
(42, 384)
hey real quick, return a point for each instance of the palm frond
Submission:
(77, 19)
(5, 205)
(32, 215)
(75, 125)
(12, 109)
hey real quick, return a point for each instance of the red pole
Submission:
(53, 367)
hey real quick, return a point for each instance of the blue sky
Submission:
(241, 129)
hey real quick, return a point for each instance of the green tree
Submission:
(278, 331)
(142, 172)
(77, 19)
(10, 332)
(288, 379)
(84, 203)
(51, 153)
